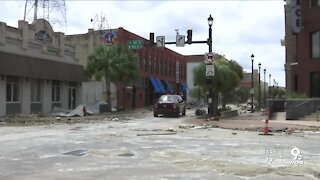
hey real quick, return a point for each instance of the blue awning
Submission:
(155, 85)
(184, 86)
(169, 87)
(160, 85)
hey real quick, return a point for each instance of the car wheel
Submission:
(184, 112)
(155, 114)
(178, 114)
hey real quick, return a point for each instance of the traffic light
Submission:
(151, 39)
(189, 36)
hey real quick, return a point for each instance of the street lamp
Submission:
(264, 88)
(259, 86)
(252, 91)
(210, 22)
(211, 111)
(273, 87)
(269, 86)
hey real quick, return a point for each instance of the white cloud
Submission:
(240, 28)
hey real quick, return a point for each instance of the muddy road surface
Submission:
(141, 147)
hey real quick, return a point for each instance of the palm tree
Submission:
(115, 63)
(228, 76)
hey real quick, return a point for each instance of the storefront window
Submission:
(12, 89)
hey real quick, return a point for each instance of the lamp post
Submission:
(259, 87)
(211, 101)
(264, 88)
(252, 91)
(269, 86)
(210, 22)
(273, 87)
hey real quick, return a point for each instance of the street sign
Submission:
(180, 40)
(209, 70)
(160, 41)
(209, 58)
(252, 91)
(135, 44)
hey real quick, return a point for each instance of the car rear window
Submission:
(168, 98)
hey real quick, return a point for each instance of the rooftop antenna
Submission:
(100, 22)
(54, 11)
(177, 31)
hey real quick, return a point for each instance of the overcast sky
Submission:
(240, 27)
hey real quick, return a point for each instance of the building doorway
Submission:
(315, 84)
(72, 97)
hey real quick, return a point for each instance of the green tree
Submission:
(115, 63)
(197, 93)
(242, 94)
(227, 76)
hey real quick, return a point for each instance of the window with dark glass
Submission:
(55, 91)
(315, 44)
(295, 83)
(145, 62)
(149, 65)
(315, 84)
(36, 90)
(12, 89)
(314, 3)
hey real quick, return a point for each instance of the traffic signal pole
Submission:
(212, 97)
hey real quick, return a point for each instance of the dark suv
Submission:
(169, 105)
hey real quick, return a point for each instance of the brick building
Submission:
(302, 42)
(161, 69)
(246, 80)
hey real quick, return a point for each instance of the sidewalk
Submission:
(256, 122)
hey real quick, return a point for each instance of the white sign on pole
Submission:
(209, 70)
(180, 40)
(208, 58)
(252, 91)
(160, 41)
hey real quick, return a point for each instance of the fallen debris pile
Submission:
(81, 110)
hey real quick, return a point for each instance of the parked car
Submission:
(169, 105)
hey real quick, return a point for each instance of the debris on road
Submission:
(112, 135)
(155, 134)
(200, 112)
(2, 121)
(203, 126)
(278, 129)
(114, 119)
(186, 126)
(76, 152)
(171, 130)
(126, 155)
(212, 119)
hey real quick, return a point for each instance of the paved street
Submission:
(143, 147)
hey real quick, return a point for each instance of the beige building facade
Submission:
(39, 70)
(86, 44)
